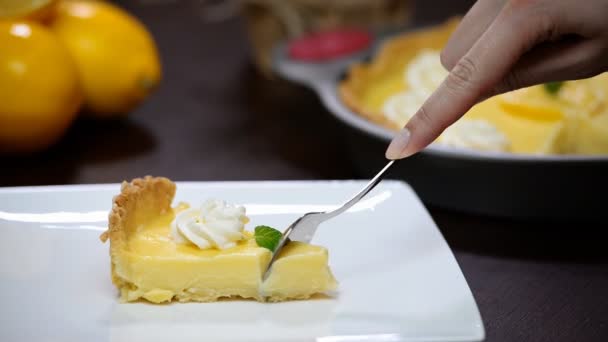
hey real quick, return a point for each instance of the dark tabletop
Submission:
(215, 118)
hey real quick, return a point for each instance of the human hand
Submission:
(503, 45)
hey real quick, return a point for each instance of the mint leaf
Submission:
(553, 87)
(267, 237)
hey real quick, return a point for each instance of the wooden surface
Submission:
(213, 118)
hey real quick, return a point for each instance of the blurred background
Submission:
(104, 91)
(100, 92)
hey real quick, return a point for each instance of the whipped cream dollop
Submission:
(215, 224)
(588, 97)
(476, 134)
(422, 76)
(425, 73)
(400, 107)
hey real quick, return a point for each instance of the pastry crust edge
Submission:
(156, 193)
(346, 88)
(151, 195)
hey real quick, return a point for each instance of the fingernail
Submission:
(396, 150)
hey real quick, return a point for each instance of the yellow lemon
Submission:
(40, 10)
(116, 56)
(533, 103)
(39, 88)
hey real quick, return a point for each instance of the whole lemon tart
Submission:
(161, 253)
(557, 118)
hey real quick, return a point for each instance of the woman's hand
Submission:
(503, 45)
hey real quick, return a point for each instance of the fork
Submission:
(303, 229)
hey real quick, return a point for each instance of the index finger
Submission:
(512, 33)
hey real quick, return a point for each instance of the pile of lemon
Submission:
(59, 56)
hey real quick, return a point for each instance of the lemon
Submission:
(116, 56)
(27, 9)
(40, 93)
(533, 103)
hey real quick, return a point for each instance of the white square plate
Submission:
(398, 278)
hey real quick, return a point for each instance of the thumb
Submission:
(569, 59)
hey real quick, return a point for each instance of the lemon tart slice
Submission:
(150, 262)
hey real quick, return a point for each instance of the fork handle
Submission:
(358, 196)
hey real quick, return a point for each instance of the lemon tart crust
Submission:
(389, 63)
(138, 202)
